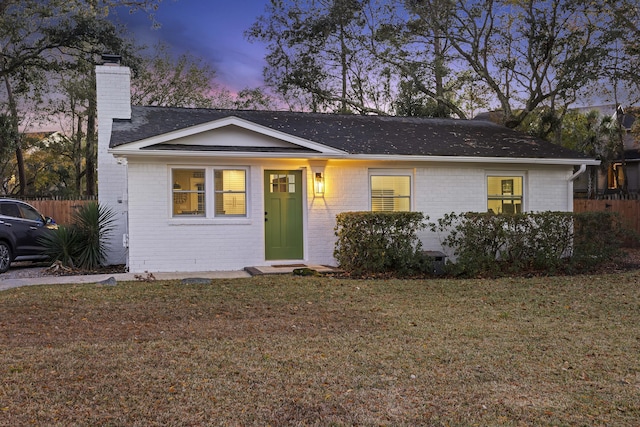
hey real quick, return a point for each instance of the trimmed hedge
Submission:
(481, 243)
(486, 243)
(379, 242)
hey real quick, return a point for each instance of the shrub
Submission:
(486, 243)
(379, 242)
(62, 245)
(598, 238)
(82, 245)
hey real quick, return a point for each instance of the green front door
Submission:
(283, 214)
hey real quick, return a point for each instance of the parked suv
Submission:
(21, 226)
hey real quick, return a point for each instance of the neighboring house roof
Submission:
(632, 155)
(351, 134)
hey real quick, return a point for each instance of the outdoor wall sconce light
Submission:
(319, 185)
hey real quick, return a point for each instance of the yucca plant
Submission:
(82, 245)
(62, 245)
(94, 222)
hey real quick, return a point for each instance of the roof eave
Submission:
(121, 152)
(480, 159)
(135, 153)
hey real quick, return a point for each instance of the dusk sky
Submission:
(210, 29)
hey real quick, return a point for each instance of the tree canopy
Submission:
(446, 57)
(48, 53)
(528, 61)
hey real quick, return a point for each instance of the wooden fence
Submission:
(60, 210)
(629, 210)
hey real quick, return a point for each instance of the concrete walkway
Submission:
(110, 279)
(120, 277)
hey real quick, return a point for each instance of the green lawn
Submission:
(284, 350)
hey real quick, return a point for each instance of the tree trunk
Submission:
(90, 165)
(77, 158)
(620, 143)
(344, 65)
(22, 177)
(439, 73)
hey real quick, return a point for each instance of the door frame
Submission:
(303, 209)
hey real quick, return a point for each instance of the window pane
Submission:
(230, 192)
(283, 183)
(230, 204)
(504, 194)
(30, 213)
(10, 209)
(390, 193)
(278, 183)
(188, 192)
(292, 183)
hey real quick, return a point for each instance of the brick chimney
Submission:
(113, 91)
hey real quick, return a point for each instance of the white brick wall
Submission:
(546, 193)
(346, 185)
(113, 101)
(160, 243)
(442, 189)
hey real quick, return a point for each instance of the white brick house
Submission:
(199, 189)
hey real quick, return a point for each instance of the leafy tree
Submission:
(315, 58)
(544, 122)
(75, 83)
(253, 99)
(37, 37)
(595, 135)
(414, 48)
(623, 19)
(530, 53)
(433, 56)
(8, 137)
(474, 96)
(49, 169)
(412, 102)
(162, 80)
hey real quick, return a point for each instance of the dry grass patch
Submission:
(283, 350)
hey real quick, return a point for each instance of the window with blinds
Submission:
(230, 191)
(504, 194)
(188, 192)
(390, 193)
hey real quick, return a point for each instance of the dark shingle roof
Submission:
(355, 134)
(632, 154)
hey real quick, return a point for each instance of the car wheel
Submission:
(5, 257)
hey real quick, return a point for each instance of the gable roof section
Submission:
(355, 136)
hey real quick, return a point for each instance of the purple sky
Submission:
(210, 29)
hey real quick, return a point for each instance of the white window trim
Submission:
(507, 173)
(209, 218)
(245, 192)
(393, 172)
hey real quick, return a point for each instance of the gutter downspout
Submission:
(580, 171)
